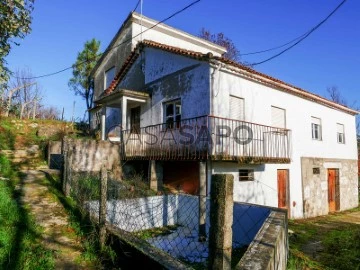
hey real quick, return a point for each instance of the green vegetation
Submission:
(27, 132)
(80, 223)
(19, 244)
(324, 243)
(154, 232)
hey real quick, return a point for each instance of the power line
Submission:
(109, 49)
(137, 5)
(274, 48)
(304, 37)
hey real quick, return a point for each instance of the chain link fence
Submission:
(171, 222)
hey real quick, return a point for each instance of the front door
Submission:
(333, 194)
(283, 188)
(135, 120)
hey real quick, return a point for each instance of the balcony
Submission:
(207, 137)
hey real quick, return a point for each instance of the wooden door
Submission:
(135, 120)
(283, 189)
(333, 196)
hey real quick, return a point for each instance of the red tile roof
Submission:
(237, 67)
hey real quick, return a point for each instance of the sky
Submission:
(330, 56)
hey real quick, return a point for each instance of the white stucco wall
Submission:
(171, 37)
(258, 101)
(168, 77)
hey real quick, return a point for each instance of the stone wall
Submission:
(82, 156)
(89, 155)
(269, 249)
(315, 185)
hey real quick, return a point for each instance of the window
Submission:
(237, 110)
(246, 175)
(278, 117)
(173, 114)
(316, 128)
(340, 133)
(109, 76)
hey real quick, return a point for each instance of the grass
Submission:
(81, 225)
(18, 134)
(154, 232)
(337, 244)
(19, 236)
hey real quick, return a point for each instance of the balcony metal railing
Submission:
(208, 137)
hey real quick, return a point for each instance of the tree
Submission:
(232, 52)
(335, 95)
(48, 112)
(27, 95)
(15, 20)
(81, 82)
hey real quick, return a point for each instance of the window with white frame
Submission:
(172, 113)
(340, 133)
(109, 77)
(316, 128)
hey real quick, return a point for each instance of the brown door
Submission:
(135, 120)
(333, 196)
(283, 189)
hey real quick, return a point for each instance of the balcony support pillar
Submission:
(123, 112)
(155, 175)
(103, 123)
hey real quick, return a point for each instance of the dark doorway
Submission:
(182, 176)
(135, 120)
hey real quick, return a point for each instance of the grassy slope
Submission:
(19, 236)
(339, 244)
(17, 134)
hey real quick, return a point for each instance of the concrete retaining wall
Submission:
(269, 249)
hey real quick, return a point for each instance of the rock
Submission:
(34, 149)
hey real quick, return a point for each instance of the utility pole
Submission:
(11, 92)
(73, 112)
(36, 99)
(35, 108)
(62, 115)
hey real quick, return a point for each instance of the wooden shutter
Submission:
(237, 110)
(277, 117)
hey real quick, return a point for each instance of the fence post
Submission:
(202, 201)
(221, 220)
(103, 201)
(67, 172)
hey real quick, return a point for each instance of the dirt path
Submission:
(51, 216)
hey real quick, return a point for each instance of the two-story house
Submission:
(183, 112)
